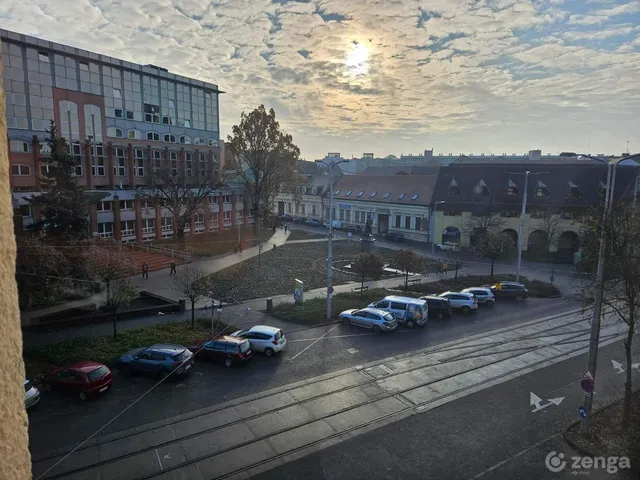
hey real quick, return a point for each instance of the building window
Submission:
(93, 123)
(303, 209)
(20, 170)
(138, 162)
(45, 149)
(482, 189)
(407, 222)
(119, 168)
(214, 199)
(398, 221)
(128, 228)
(97, 160)
(104, 206)
(188, 164)
(198, 141)
(542, 190)
(43, 57)
(153, 136)
(401, 196)
(25, 211)
(148, 225)
(360, 194)
(117, 93)
(203, 165)
(386, 195)
(454, 189)
(167, 224)
(226, 199)
(337, 192)
(151, 113)
(134, 134)
(510, 190)
(226, 217)
(157, 159)
(373, 195)
(69, 123)
(342, 214)
(118, 113)
(288, 207)
(170, 138)
(173, 157)
(573, 192)
(105, 230)
(127, 205)
(19, 146)
(417, 226)
(186, 139)
(75, 151)
(414, 196)
(212, 142)
(347, 215)
(346, 194)
(115, 132)
(313, 210)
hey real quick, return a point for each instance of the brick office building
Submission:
(120, 120)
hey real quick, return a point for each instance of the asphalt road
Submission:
(309, 353)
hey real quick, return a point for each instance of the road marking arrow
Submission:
(636, 366)
(618, 366)
(536, 402)
(167, 456)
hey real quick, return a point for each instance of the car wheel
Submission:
(518, 298)
(269, 352)
(489, 303)
(410, 324)
(228, 362)
(440, 316)
(83, 396)
(376, 329)
(466, 309)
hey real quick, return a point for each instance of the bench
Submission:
(415, 280)
(360, 289)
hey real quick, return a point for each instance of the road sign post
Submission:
(582, 411)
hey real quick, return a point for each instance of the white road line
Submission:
(519, 454)
(158, 457)
(386, 369)
(312, 344)
(342, 336)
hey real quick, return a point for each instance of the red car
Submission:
(83, 379)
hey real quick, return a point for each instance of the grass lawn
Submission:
(106, 350)
(314, 310)
(213, 243)
(536, 287)
(304, 235)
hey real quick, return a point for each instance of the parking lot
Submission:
(310, 352)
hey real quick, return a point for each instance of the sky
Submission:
(386, 76)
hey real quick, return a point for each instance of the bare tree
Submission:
(621, 286)
(182, 194)
(457, 260)
(549, 223)
(195, 285)
(483, 221)
(263, 159)
(119, 294)
(495, 246)
(406, 261)
(367, 265)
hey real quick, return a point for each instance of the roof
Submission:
(85, 367)
(402, 170)
(486, 183)
(398, 189)
(264, 329)
(167, 348)
(398, 298)
(308, 168)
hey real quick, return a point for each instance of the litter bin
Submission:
(182, 305)
(269, 305)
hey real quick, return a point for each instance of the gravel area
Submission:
(274, 273)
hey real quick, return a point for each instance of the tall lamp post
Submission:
(330, 166)
(594, 338)
(433, 240)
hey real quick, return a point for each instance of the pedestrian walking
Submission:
(445, 268)
(145, 270)
(173, 268)
(274, 229)
(286, 227)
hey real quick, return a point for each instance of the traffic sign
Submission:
(587, 385)
(582, 411)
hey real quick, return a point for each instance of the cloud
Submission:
(452, 73)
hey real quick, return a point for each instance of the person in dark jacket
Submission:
(173, 268)
(145, 270)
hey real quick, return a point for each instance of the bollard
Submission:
(270, 305)
(182, 305)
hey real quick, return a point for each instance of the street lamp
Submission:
(433, 240)
(330, 166)
(594, 338)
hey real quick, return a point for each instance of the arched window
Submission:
(69, 124)
(134, 134)
(198, 141)
(170, 138)
(186, 139)
(213, 142)
(20, 170)
(93, 122)
(115, 132)
(153, 136)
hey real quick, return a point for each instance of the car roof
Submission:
(457, 293)
(167, 348)
(373, 310)
(264, 329)
(85, 367)
(486, 289)
(227, 338)
(434, 297)
(397, 298)
(511, 283)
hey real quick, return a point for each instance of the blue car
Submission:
(314, 222)
(157, 360)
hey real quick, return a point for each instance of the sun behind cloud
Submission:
(357, 60)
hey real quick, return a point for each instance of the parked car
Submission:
(465, 302)
(376, 320)
(438, 307)
(263, 338)
(82, 379)
(352, 228)
(510, 290)
(314, 222)
(160, 360)
(448, 247)
(31, 395)
(484, 295)
(286, 218)
(299, 219)
(336, 224)
(408, 310)
(224, 348)
(394, 236)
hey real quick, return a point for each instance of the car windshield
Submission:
(388, 317)
(245, 346)
(97, 373)
(182, 356)
(278, 335)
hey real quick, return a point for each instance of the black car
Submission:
(438, 307)
(286, 218)
(351, 228)
(508, 290)
(394, 236)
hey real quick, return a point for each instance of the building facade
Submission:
(120, 120)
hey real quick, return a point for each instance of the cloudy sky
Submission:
(386, 76)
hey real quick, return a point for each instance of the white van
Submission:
(407, 310)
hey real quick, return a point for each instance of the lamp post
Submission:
(594, 338)
(433, 240)
(330, 234)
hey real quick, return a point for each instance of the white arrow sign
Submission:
(618, 366)
(636, 366)
(167, 456)
(536, 402)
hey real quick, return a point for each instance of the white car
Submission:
(483, 295)
(31, 395)
(448, 247)
(263, 338)
(465, 302)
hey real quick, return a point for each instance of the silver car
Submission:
(465, 302)
(371, 318)
(31, 395)
(484, 295)
(263, 338)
